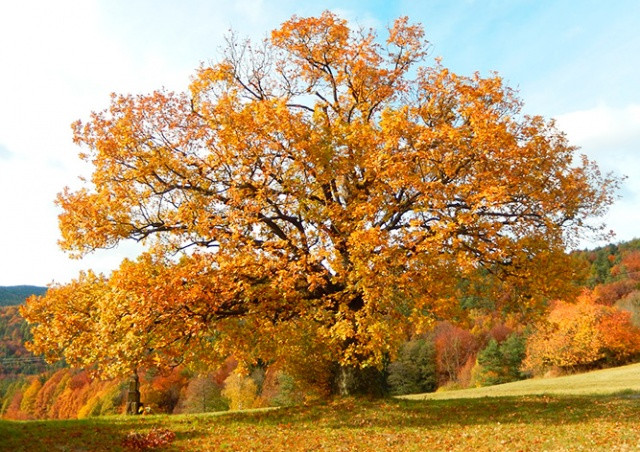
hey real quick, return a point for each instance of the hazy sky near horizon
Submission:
(576, 61)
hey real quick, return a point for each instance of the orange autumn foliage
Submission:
(322, 188)
(608, 294)
(13, 410)
(65, 394)
(582, 335)
(241, 391)
(629, 266)
(161, 393)
(28, 402)
(47, 396)
(454, 348)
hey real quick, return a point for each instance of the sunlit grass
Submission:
(568, 420)
(606, 381)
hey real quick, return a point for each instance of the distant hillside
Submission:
(13, 295)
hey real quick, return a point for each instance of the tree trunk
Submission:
(133, 396)
(354, 381)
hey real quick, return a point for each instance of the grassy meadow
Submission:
(598, 382)
(595, 411)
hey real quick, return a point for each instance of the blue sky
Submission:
(576, 61)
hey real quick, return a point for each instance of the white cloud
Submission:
(603, 126)
(60, 61)
(611, 137)
(5, 154)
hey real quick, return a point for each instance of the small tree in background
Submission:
(454, 346)
(414, 371)
(582, 335)
(631, 304)
(500, 362)
(202, 395)
(241, 391)
(288, 392)
(28, 403)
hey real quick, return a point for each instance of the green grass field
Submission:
(569, 416)
(606, 381)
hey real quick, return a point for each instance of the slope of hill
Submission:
(601, 382)
(15, 359)
(550, 422)
(13, 295)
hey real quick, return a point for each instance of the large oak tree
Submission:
(314, 197)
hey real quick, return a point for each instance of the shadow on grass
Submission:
(107, 433)
(388, 413)
(93, 434)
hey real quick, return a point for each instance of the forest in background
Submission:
(597, 328)
(15, 295)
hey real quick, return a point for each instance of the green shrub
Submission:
(500, 362)
(414, 371)
(288, 394)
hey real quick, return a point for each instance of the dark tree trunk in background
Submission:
(133, 396)
(353, 381)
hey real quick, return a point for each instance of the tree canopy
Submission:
(318, 195)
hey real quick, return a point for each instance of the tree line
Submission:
(598, 327)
